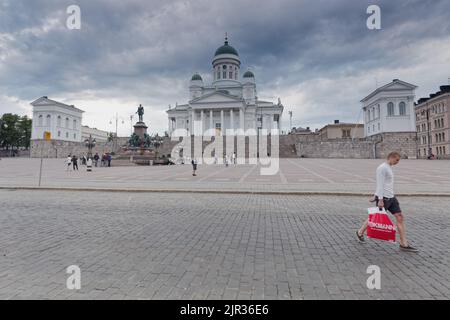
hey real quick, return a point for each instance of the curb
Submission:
(256, 192)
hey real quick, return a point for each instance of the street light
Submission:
(116, 119)
(90, 144)
(290, 120)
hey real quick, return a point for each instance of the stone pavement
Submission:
(295, 175)
(212, 246)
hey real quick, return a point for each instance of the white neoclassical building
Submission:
(61, 120)
(229, 102)
(390, 108)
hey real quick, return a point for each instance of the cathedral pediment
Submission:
(217, 96)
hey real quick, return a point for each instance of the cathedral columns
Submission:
(201, 121)
(192, 122)
(231, 119)
(241, 120)
(211, 123)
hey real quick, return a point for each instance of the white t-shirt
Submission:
(385, 181)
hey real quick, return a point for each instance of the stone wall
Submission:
(403, 142)
(315, 146)
(345, 148)
(377, 146)
(61, 149)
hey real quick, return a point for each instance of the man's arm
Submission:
(380, 183)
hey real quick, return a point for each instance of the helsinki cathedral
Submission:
(229, 102)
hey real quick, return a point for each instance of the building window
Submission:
(402, 108)
(58, 121)
(41, 121)
(74, 135)
(67, 135)
(346, 133)
(67, 123)
(231, 75)
(59, 133)
(390, 109)
(74, 124)
(378, 126)
(218, 74)
(224, 74)
(48, 121)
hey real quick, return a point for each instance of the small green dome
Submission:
(248, 74)
(226, 49)
(196, 77)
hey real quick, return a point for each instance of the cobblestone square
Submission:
(214, 246)
(294, 175)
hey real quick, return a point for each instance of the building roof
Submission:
(444, 90)
(44, 100)
(385, 87)
(342, 124)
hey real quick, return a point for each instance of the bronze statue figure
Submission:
(140, 112)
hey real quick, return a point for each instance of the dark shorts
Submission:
(194, 166)
(391, 205)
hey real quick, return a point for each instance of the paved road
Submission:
(295, 175)
(210, 246)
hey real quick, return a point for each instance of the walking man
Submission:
(194, 166)
(75, 163)
(385, 198)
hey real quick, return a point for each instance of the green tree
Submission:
(15, 131)
(9, 132)
(24, 128)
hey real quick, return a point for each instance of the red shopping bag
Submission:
(380, 225)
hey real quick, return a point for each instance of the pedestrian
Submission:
(194, 166)
(109, 158)
(89, 164)
(96, 157)
(68, 162)
(103, 160)
(75, 163)
(234, 158)
(384, 198)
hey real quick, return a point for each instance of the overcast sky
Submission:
(318, 56)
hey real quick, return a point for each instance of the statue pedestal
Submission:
(140, 129)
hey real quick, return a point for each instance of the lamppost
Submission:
(116, 119)
(90, 144)
(290, 120)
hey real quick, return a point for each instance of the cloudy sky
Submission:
(318, 56)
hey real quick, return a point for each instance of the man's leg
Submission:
(401, 229)
(363, 228)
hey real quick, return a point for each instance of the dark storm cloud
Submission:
(147, 50)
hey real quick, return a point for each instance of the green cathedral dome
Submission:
(226, 49)
(196, 77)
